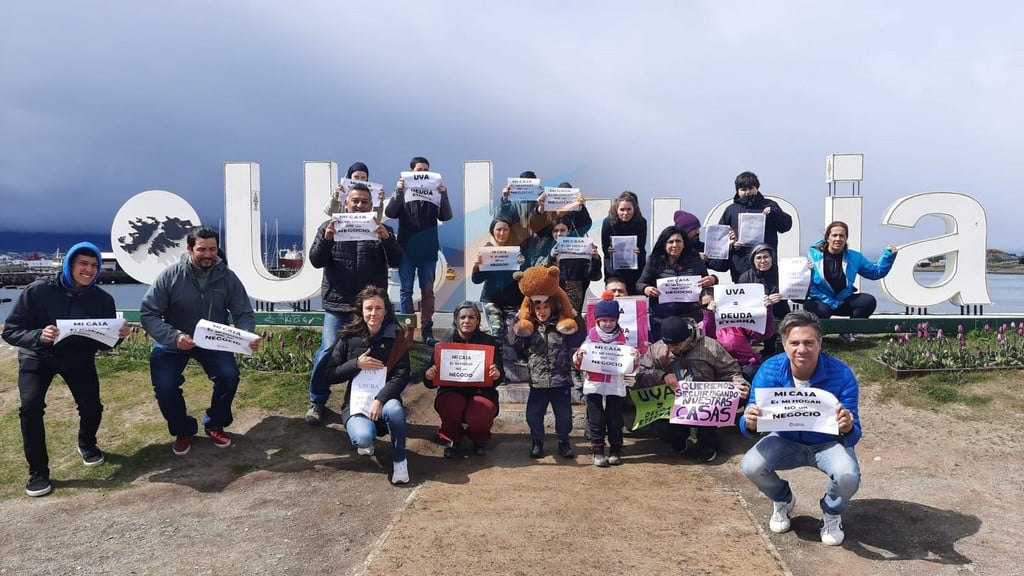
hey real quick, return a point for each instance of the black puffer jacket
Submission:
(351, 266)
(342, 366)
(775, 223)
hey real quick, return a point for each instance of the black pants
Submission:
(859, 305)
(679, 434)
(604, 416)
(34, 378)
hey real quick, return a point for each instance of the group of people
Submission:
(362, 338)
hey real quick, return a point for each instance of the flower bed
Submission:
(927, 352)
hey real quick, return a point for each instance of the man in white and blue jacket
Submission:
(805, 366)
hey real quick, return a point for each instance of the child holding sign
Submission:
(549, 355)
(471, 404)
(606, 389)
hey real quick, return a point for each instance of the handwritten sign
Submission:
(103, 330)
(716, 242)
(463, 364)
(574, 247)
(523, 189)
(706, 404)
(422, 187)
(801, 409)
(632, 319)
(499, 258)
(609, 359)
(375, 189)
(741, 305)
(624, 255)
(354, 226)
(654, 403)
(216, 336)
(679, 289)
(751, 230)
(365, 387)
(794, 278)
(561, 199)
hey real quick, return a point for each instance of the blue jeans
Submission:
(362, 431)
(166, 366)
(561, 405)
(407, 271)
(319, 387)
(774, 452)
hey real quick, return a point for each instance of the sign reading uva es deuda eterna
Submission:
(148, 233)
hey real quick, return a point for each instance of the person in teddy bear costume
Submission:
(540, 283)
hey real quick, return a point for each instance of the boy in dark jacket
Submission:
(748, 200)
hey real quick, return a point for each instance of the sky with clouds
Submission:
(102, 100)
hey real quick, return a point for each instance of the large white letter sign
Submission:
(242, 222)
(963, 282)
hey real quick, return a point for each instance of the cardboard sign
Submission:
(611, 359)
(716, 242)
(463, 364)
(561, 199)
(654, 403)
(574, 247)
(794, 277)
(365, 387)
(793, 409)
(706, 404)
(499, 258)
(751, 230)
(624, 256)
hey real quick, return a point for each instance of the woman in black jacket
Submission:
(467, 410)
(372, 354)
(624, 219)
(672, 256)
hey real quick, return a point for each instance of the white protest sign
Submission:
(216, 336)
(679, 289)
(499, 258)
(741, 305)
(794, 278)
(375, 188)
(716, 242)
(561, 199)
(624, 255)
(796, 410)
(103, 330)
(354, 226)
(705, 404)
(751, 230)
(523, 189)
(365, 387)
(462, 365)
(422, 187)
(607, 358)
(574, 247)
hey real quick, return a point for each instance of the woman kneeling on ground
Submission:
(467, 410)
(371, 342)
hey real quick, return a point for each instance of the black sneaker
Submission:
(565, 449)
(451, 450)
(480, 449)
(38, 485)
(315, 414)
(706, 454)
(427, 333)
(91, 455)
(615, 456)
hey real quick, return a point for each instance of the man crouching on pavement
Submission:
(804, 365)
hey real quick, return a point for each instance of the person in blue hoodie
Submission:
(32, 326)
(835, 269)
(805, 366)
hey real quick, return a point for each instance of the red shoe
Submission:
(182, 444)
(220, 438)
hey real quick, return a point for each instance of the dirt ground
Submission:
(941, 494)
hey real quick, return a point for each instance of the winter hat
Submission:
(91, 250)
(675, 330)
(607, 307)
(762, 247)
(685, 221)
(357, 167)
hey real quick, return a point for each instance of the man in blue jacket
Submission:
(198, 287)
(805, 366)
(32, 326)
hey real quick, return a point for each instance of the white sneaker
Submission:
(780, 516)
(401, 474)
(832, 532)
(368, 451)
